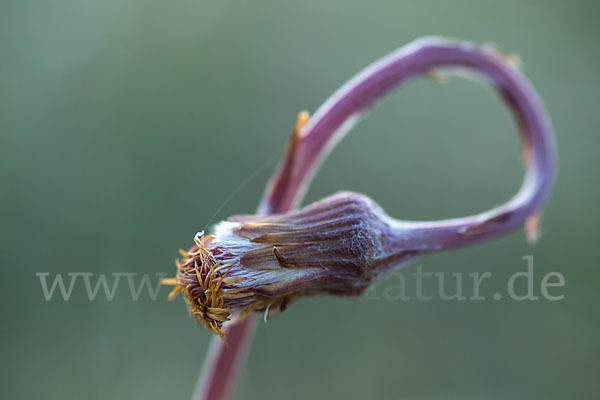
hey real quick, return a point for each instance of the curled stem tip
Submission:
(430, 55)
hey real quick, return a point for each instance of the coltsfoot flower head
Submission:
(261, 263)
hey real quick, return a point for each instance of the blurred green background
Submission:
(125, 125)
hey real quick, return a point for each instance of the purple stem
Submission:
(342, 110)
(309, 146)
(223, 363)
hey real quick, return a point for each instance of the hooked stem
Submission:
(310, 144)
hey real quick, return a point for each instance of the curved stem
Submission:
(344, 109)
(311, 143)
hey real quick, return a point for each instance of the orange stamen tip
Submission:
(169, 281)
(174, 292)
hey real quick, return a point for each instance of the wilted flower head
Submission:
(260, 263)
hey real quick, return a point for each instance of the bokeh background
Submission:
(126, 125)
